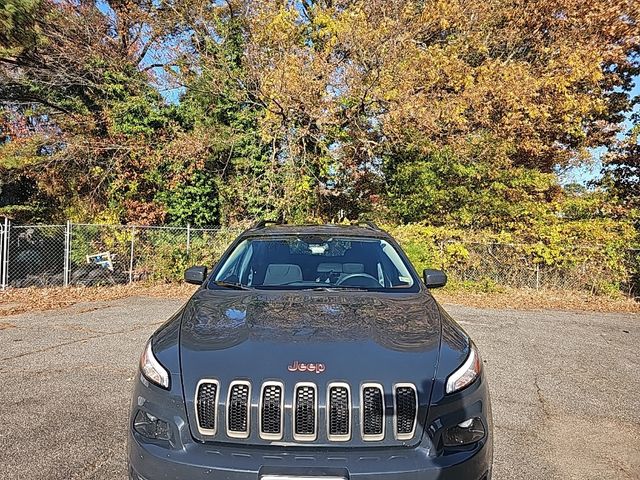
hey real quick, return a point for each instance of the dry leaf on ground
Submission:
(15, 301)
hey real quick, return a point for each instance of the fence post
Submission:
(133, 236)
(188, 238)
(3, 230)
(537, 276)
(4, 247)
(67, 254)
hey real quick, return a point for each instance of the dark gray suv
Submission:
(311, 352)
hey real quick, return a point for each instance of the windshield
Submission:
(315, 262)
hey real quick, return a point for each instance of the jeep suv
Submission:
(308, 353)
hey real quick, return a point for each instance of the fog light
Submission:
(150, 427)
(469, 431)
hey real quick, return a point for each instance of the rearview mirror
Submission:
(195, 275)
(434, 278)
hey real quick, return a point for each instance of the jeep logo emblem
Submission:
(307, 367)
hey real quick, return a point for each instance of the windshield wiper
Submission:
(233, 285)
(337, 288)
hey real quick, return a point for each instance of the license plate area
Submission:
(297, 477)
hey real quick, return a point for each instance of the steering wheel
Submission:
(372, 283)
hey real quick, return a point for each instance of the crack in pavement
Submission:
(544, 404)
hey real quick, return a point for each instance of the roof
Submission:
(356, 230)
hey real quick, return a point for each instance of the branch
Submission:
(10, 60)
(158, 65)
(46, 103)
(145, 48)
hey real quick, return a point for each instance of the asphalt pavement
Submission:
(565, 389)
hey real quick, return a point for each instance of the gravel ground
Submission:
(564, 388)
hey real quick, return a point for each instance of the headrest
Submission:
(282, 273)
(352, 267)
(329, 267)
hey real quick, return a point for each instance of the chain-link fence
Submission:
(588, 268)
(90, 255)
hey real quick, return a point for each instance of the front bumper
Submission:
(198, 462)
(183, 458)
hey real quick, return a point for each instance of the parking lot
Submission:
(565, 389)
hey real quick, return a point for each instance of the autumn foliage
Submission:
(452, 113)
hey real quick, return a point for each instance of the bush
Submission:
(596, 256)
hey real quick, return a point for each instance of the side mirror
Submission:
(434, 278)
(195, 275)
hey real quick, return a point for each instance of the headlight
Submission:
(467, 373)
(151, 368)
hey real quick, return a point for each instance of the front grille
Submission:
(206, 402)
(271, 406)
(238, 409)
(406, 407)
(339, 412)
(305, 410)
(373, 408)
(372, 414)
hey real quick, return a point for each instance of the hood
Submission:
(303, 336)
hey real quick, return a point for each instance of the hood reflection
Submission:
(217, 320)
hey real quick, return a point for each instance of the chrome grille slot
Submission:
(305, 411)
(372, 412)
(206, 406)
(406, 408)
(335, 409)
(238, 404)
(339, 412)
(271, 407)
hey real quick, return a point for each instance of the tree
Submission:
(621, 171)
(86, 119)
(367, 80)
(310, 108)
